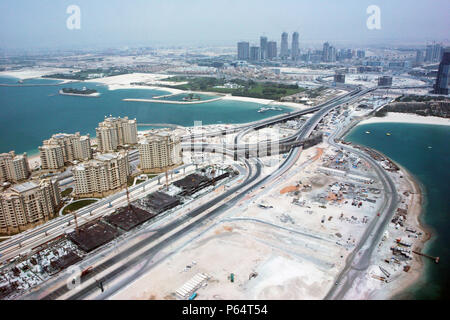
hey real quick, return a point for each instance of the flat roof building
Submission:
(114, 132)
(243, 50)
(24, 205)
(441, 86)
(102, 175)
(63, 148)
(157, 152)
(14, 168)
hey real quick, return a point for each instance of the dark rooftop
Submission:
(127, 218)
(93, 235)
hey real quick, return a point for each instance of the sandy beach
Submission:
(414, 212)
(407, 118)
(29, 73)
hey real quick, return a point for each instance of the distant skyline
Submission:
(30, 24)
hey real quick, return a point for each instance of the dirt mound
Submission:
(289, 189)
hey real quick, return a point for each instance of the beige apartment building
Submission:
(102, 176)
(159, 152)
(114, 132)
(26, 205)
(63, 148)
(14, 168)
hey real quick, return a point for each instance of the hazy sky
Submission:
(42, 23)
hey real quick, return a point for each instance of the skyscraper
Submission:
(255, 54)
(325, 51)
(361, 54)
(419, 56)
(263, 47)
(243, 50)
(328, 53)
(433, 52)
(284, 51)
(441, 86)
(295, 46)
(271, 50)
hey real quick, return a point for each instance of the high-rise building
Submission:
(102, 175)
(114, 132)
(332, 54)
(64, 148)
(433, 52)
(263, 47)
(243, 50)
(24, 205)
(441, 86)
(284, 50)
(385, 81)
(271, 50)
(295, 51)
(419, 57)
(361, 54)
(14, 168)
(329, 53)
(255, 54)
(339, 77)
(159, 151)
(325, 52)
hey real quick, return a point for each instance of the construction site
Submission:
(47, 260)
(290, 240)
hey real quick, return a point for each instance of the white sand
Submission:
(30, 73)
(266, 101)
(407, 118)
(152, 80)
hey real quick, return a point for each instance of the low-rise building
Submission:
(157, 152)
(26, 205)
(101, 176)
(14, 168)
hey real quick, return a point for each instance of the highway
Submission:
(159, 233)
(147, 255)
(359, 259)
(30, 239)
(240, 191)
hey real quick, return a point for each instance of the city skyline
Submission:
(43, 24)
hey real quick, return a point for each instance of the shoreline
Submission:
(397, 117)
(415, 213)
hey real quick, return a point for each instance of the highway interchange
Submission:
(142, 252)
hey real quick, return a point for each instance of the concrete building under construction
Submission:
(93, 235)
(129, 217)
(196, 182)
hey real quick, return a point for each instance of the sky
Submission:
(27, 24)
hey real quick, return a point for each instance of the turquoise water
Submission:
(409, 146)
(29, 115)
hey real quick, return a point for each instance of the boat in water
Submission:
(264, 109)
(368, 132)
(388, 134)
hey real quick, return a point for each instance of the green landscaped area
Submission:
(244, 88)
(74, 206)
(66, 192)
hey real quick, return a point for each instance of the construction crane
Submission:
(76, 222)
(167, 180)
(128, 197)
